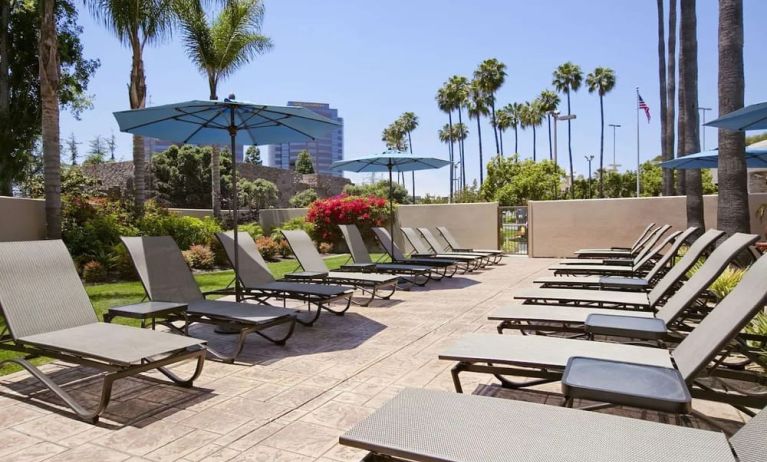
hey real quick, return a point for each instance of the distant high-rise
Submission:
(324, 151)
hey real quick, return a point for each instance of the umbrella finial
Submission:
(230, 98)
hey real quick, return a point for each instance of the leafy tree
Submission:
(218, 48)
(182, 176)
(511, 181)
(394, 136)
(303, 198)
(490, 75)
(469, 195)
(304, 163)
(567, 79)
(74, 153)
(602, 81)
(257, 194)
(95, 158)
(379, 189)
(253, 156)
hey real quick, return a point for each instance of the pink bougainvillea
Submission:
(326, 214)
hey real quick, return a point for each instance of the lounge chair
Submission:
(417, 274)
(543, 359)
(442, 267)
(645, 251)
(618, 251)
(423, 250)
(455, 246)
(166, 278)
(639, 300)
(438, 247)
(315, 269)
(606, 276)
(433, 426)
(48, 314)
(667, 323)
(259, 283)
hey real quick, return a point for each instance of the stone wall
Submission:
(117, 177)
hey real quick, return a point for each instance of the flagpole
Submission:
(637, 141)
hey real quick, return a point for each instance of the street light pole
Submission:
(614, 165)
(589, 159)
(703, 111)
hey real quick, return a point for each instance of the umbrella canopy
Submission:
(222, 122)
(753, 117)
(389, 161)
(755, 158)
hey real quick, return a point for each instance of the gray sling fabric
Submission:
(726, 320)
(162, 269)
(305, 252)
(432, 240)
(672, 252)
(40, 290)
(453, 242)
(253, 269)
(385, 240)
(356, 244)
(647, 250)
(640, 240)
(416, 242)
(749, 441)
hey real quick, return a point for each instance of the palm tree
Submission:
(669, 188)
(514, 110)
(663, 99)
(602, 81)
(688, 109)
(477, 107)
(491, 74)
(394, 137)
(567, 79)
(532, 116)
(218, 48)
(459, 92)
(445, 104)
(549, 102)
(502, 123)
(732, 210)
(49, 95)
(409, 122)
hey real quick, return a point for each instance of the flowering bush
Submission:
(325, 247)
(267, 247)
(199, 257)
(94, 271)
(327, 214)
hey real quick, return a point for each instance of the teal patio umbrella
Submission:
(755, 158)
(390, 161)
(226, 122)
(753, 117)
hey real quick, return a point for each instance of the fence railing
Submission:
(513, 230)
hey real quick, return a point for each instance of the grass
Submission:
(104, 296)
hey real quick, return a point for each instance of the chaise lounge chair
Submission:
(166, 278)
(543, 359)
(423, 250)
(315, 269)
(259, 283)
(48, 314)
(442, 267)
(645, 251)
(454, 246)
(618, 251)
(436, 426)
(438, 247)
(637, 300)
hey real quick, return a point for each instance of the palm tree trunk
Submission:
(412, 173)
(516, 140)
(495, 129)
(6, 188)
(215, 160)
(689, 79)
(137, 96)
(570, 148)
(732, 209)
(462, 151)
(451, 153)
(500, 138)
(548, 125)
(49, 95)
(662, 88)
(481, 164)
(534, 143)
(669, 188)
(601, 144)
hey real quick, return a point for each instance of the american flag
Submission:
(644, 107)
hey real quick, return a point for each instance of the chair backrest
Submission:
(386, 243)
(642, 237)
(677, 272)
(748, 442)
(40, 290)
(415, 240)
(724, 322)
(649, 245)
(656, 251)
(449, 238)
(432, 240)
(304, 250)
(688, 234)
(356, 244)
(162, 269)
(708, 272)
(253, 270)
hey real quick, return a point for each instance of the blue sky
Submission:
(375, 60)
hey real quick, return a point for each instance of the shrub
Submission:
(298, 223)
(325, 247)
(285, 250)
(379, 189)
(327, 214)
(254, 229)
(303, 198)
(726, 282)
(186, 231)
(120, 262)
(267, 247)
(199, 257)
(94, 271)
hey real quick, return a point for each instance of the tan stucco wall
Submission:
(21, 219)
(558, 228)
(473, 225)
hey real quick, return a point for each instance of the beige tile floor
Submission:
(280, 403)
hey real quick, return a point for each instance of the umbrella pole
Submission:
(236, 208)
(391, 212)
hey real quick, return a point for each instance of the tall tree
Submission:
(49, 94)
(111, 147)
(669, 188)
(477, 107)
(458, 86)
(409, 122)
(514, 110)
(502, 122)
(688, 109)
(304, 164)
(136, 23)
(445, 104)
(668, 174)
(253, 155)
(567, 79)
(490, 75)
(74, 151)
(732, 207)
(532, 116)
(549, 103)
(218, 47)
(602, 81)
(394, 137)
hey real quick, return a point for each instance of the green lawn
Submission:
(104, 296)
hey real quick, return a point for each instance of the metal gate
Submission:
(513, 230)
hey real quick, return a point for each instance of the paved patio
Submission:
(281, 403)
